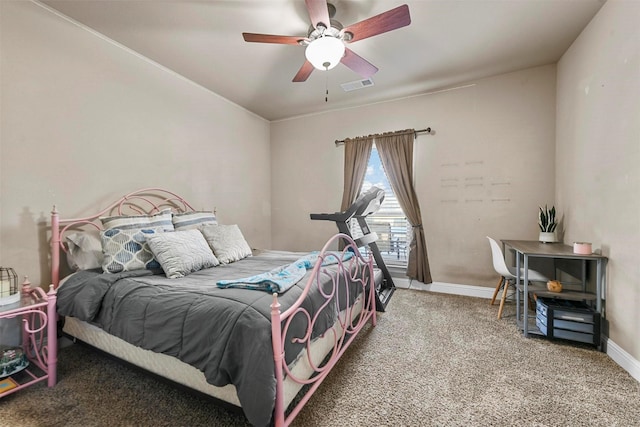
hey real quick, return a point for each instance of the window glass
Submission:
(390, 222)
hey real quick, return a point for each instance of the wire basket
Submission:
(9, 291)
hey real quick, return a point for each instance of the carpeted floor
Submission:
(433, 360)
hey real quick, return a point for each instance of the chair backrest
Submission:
(498, 259)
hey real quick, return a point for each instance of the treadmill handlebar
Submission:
(338, 216)
(369, 202)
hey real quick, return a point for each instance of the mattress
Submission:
(182, 373)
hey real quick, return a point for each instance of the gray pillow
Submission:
(84, 250)
(227, 242)
(181, 252)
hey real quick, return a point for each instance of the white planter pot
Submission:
(546, 237)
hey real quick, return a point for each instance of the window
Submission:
(390, 222)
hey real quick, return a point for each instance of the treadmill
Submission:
(368, 203)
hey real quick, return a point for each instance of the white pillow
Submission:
(84, 250)
(181, 252)
(227, 242)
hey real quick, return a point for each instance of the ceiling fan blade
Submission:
(358, 64)
(386, 21)
(270, 38)
(318, 12)
(304, 72)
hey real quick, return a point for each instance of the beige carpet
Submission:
(433, 360)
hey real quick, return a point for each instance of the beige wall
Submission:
(486, 170)
(598, 156)
(84, 121)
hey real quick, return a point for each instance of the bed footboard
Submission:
(349, 321)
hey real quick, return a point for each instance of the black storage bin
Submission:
(569, 320)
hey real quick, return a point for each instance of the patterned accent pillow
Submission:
(127, 250)
(181, 252)
(191, 220)
(227, 242)
(159, 221)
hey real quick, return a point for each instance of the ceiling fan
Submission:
(327, 38)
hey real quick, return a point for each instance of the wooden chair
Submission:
(507, 274)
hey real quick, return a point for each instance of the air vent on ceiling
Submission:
(358, 84)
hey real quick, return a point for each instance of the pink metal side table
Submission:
(37, 312)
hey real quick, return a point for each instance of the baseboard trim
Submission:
(613, 350)
(624, 359)
(455, 288)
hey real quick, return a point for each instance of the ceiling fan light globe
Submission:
(324, 53)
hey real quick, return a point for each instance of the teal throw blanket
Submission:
(282, 278)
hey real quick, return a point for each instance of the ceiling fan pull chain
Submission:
(326, 85)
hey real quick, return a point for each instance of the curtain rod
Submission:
(428, 131)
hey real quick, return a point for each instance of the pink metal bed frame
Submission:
(350, 322)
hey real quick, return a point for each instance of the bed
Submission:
(259, 330)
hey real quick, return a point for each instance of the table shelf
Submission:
(542, 291)
(532, 328)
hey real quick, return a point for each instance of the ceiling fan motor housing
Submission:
(333, 31)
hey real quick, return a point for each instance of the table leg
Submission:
(517, 254)
(599, 286)
(525, 297)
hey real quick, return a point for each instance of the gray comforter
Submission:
(226, 333)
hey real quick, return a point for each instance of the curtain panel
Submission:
(396, 155)
(356, 158)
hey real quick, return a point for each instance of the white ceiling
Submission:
(448, 43)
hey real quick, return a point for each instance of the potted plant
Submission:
(547, 223)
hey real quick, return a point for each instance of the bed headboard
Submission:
(139, 202)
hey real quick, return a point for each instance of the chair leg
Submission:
(504, 297)
(495, 293)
